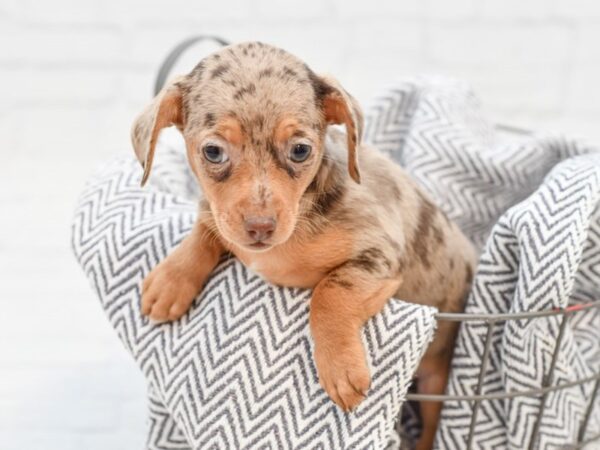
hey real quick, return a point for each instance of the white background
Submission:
(73, 73)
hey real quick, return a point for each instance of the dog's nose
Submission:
(259, 228)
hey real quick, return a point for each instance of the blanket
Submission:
(532, 205)
(237, 371)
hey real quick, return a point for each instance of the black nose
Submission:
(259, 228)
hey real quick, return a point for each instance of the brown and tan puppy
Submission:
(304, 205)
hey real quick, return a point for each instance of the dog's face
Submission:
(254, 120)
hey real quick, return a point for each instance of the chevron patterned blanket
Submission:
(237, 371)
(532, 204)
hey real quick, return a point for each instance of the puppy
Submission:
(304, 205)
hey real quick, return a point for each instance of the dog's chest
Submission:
(282, 270)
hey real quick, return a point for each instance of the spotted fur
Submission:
(350, 224)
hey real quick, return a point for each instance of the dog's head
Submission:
(253, 118)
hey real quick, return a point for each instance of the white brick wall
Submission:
(534, 61)
(74, 72)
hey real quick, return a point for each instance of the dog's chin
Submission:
(258, 247)
(261, 246)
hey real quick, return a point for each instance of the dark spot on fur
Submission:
(299, 134)
(265, 73)
(371, 260)
(257, 122)
(247, 90)
(337, 280)
(198, 70)
(320, 87)
(451, 263)
(364, 263)
(278, 160)
(326, 201)
(438, 235)
(401, 264)
(272, 150)
(468, 273)
(219, 71)
(420, 244)
(209, 120)
(288, 73)
(231, 83)
(397, 250)
(184, 87)
(327, 190)
(245, 51)
(290, 171)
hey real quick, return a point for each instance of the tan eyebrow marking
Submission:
(285, 129)
(231, 130)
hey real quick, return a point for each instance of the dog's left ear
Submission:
(341, 108)
(164, 110)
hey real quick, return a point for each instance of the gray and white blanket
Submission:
(237, 371)
(532, 204)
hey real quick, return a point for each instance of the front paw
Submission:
(344, 374)
(167, 293)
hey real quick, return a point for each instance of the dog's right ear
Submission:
(165, 110)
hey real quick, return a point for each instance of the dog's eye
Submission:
(300, 152)
(215, 154)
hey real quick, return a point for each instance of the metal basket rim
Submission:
(494, 317)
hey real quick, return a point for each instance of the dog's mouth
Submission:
(258, 246)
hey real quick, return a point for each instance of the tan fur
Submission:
(164, 111)
(347, 221)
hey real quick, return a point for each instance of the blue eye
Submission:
(300, 152)
(215, 154)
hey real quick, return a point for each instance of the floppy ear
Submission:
(164, 111)
(341, 108)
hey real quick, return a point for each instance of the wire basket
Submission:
(492, 320)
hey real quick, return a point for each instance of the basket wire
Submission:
(547, 387)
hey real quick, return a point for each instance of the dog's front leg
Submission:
(170, 288)
(341, 303)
